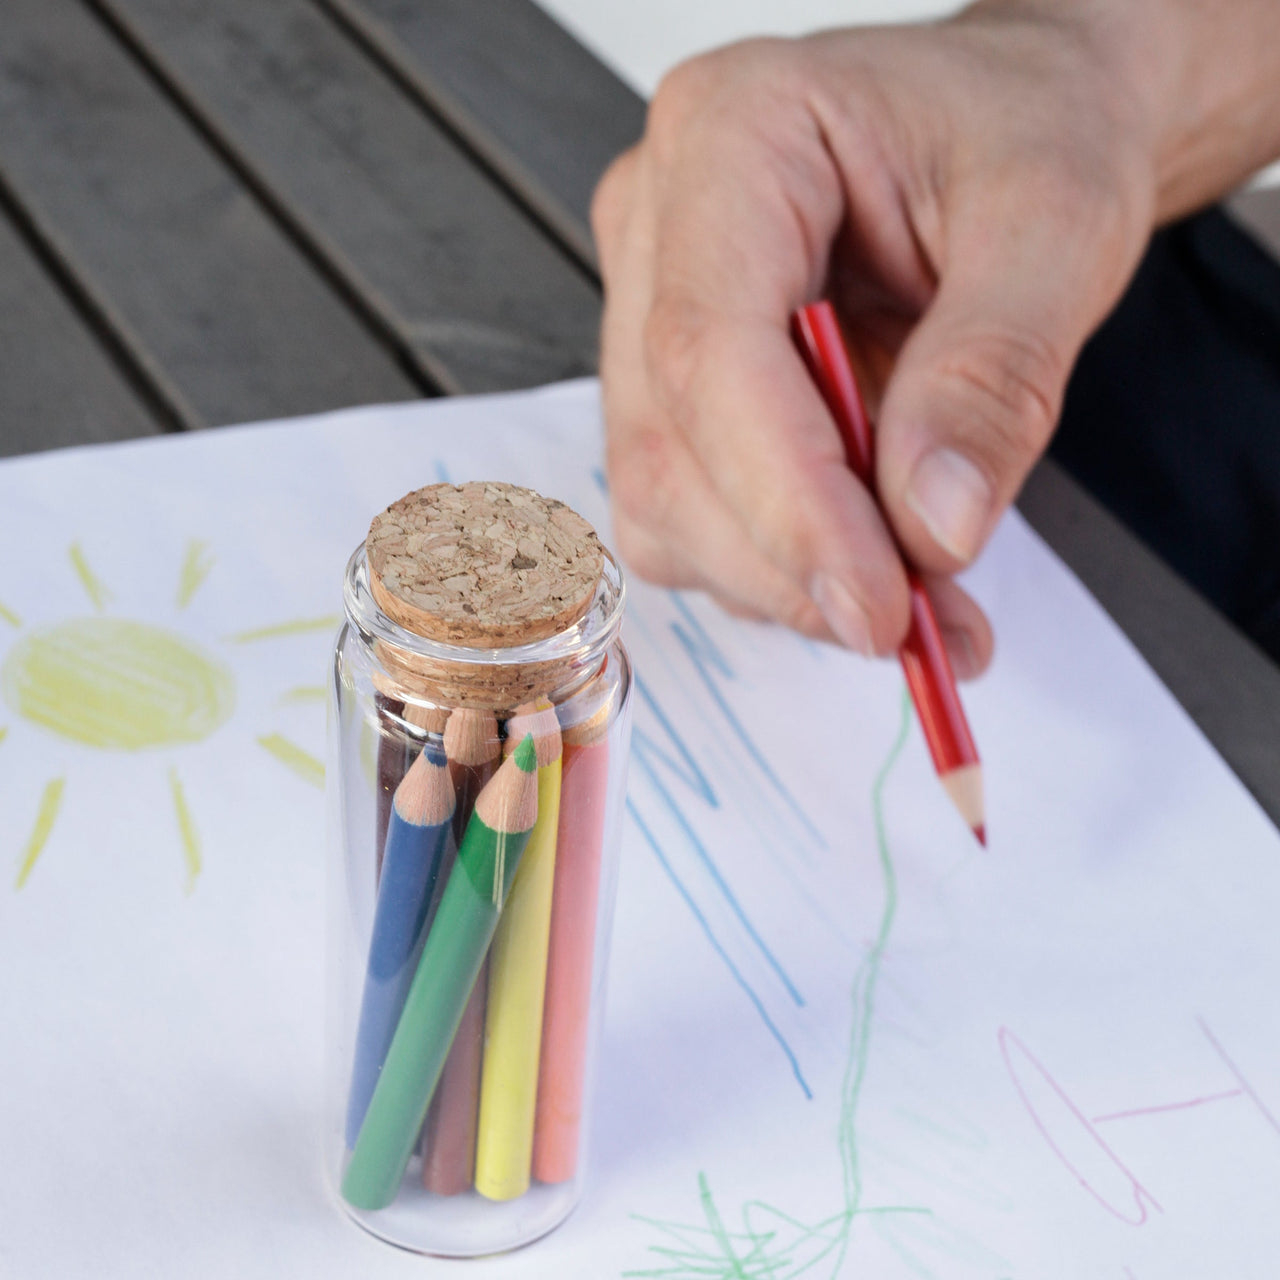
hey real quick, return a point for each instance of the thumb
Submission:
(977, 389)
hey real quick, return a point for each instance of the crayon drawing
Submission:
(770, 1243)
(118, 684)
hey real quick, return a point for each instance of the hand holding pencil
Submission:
(924, 659)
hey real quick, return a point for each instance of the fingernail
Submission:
(953, 500)
(844, 615)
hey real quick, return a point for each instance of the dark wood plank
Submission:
(239, 319)
(370, 179)
(518, 87)
(1228, 686)
(58, 385)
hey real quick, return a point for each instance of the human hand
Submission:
(972, 196)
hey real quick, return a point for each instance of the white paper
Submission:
(823, 1055)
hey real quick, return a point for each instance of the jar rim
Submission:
(592, 633)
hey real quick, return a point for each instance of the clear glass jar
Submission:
(466, 954)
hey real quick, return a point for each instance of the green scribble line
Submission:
(4, 732)
(304, 693)
(292, 756)
(196, 565)
(8, 615)
(94, 589)
(46, 816)
(187, 830)
(710, 1250)
(864, 990)
(297, 627)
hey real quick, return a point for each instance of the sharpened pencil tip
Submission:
(981, 832)
(526, 754)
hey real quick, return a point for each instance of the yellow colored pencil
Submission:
(517, 981)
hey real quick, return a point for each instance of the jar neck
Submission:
(497, 679)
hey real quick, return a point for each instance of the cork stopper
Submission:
(480, 566)
(483, 565)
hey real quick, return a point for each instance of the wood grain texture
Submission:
(58, 386)
(238, 318)
(460, 274)
(524, 94)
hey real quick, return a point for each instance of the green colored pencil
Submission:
(455, 949)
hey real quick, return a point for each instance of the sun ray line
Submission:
(304, 693)
(4, 732)
(92, 584)
(46, 816)
(8, 615)
(297, 627)
(293, 757)
(187, 830)
(196, 565)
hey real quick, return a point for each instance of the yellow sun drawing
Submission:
(116, 684)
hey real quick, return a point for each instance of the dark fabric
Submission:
(1172, 417)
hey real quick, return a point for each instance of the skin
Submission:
(973, 196)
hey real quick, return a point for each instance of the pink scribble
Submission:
(1245, 1087)
(1170, 1106)
(1141, 1196)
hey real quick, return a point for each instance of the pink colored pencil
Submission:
(570, 958)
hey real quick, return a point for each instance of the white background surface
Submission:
(1061, 1062)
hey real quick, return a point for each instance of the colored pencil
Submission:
(571, 956)
(455, 948)
(401, 728)
(932, 683)
(472, 743)
(517, 982)
(420, 823)
(474, 747)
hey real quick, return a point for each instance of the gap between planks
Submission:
(430, 375)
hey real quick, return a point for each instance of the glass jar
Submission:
(475, 797)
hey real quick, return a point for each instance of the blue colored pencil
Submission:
(421, 825)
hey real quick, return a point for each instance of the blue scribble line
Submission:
(702, 651)
(641, 746)
(719, 948)
(687, 769)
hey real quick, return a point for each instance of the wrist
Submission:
(1194, 83)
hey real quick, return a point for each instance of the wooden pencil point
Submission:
(539, 721)
(425, 796)
(509, 802)
(471, 736)
(964, 786)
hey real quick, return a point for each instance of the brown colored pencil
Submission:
(473, 746)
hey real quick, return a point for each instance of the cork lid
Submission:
(484, 565)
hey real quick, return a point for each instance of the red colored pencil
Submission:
(924, 660)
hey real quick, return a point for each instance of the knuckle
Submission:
(1011, 382)
(610, 198)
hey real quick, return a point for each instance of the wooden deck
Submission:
(213, 211)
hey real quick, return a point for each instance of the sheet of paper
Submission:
(841, 1041)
